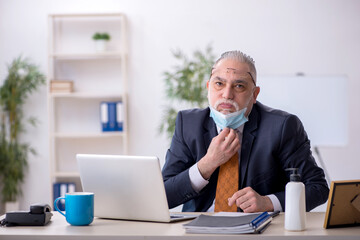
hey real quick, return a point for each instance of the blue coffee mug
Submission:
(79, 208)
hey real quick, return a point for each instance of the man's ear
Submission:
(207, 84)
(256, 93)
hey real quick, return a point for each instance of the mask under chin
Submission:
(231, 120)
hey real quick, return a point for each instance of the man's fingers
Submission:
(250, 201)
(236, 196)
(235, 145)
(228, 134)
(231, 142)
(224, 133)
(243, 198)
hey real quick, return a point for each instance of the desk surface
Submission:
(116, 229)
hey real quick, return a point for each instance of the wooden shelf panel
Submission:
(66, 174)
(85, 56)
(81, 15)
(87, 95)
(90, 135)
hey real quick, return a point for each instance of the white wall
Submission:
(284, 37)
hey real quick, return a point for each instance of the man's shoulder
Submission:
(195, 112)
(275, 116)
(195, 116)
(271, 112)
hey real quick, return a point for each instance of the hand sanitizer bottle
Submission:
(294, 202)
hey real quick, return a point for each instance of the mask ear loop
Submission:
(252, 78)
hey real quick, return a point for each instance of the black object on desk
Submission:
(274, 214)
(39, 215)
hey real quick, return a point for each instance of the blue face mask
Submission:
(231, 120)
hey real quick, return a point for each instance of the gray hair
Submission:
(241, 57)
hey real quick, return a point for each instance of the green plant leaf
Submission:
(185, 84)
(101, 36)
(23, 79)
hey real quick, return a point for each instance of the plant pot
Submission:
(101, 45)
(12, 206)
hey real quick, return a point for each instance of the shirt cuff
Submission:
(197, 181)
(276, 203)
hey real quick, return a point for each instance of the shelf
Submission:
(97, 76)
(81, 15)
(84, 56)
(86, 95)
(90, 135)
(66, 174)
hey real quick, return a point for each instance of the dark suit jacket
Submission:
(273, 140)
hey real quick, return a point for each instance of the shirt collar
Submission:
(239, 129)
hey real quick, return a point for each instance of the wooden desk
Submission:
(115, 229)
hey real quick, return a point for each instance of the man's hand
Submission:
(221, 149)
(250, 201)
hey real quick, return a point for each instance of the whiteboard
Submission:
(321, 103)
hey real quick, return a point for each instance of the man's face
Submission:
(231, 87)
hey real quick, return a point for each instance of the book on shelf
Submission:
(111, 116)
(250, 223)
(119, 116)
(61, 86)
(60, 189)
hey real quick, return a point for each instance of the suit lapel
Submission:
(247, 142)
(209, 131)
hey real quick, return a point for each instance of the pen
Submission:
(260, 219)
(274, 214)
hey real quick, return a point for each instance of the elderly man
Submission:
(258, 142)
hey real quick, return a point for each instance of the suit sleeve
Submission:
(176, 169)
(294, 151)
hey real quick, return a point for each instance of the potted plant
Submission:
(101, 40)
(185, 85)
(22, 80)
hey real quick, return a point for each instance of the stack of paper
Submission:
(254, 223)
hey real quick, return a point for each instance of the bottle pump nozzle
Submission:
(294, 175)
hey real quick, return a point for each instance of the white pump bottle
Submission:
(294, 202)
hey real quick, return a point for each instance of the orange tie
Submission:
(227, 184)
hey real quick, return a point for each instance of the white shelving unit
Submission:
(74, 118)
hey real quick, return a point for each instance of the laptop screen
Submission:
(125, 187)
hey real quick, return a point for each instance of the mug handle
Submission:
(56, 206)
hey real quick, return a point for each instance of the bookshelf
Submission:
(74, 115)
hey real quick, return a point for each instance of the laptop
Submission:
(126, 187)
